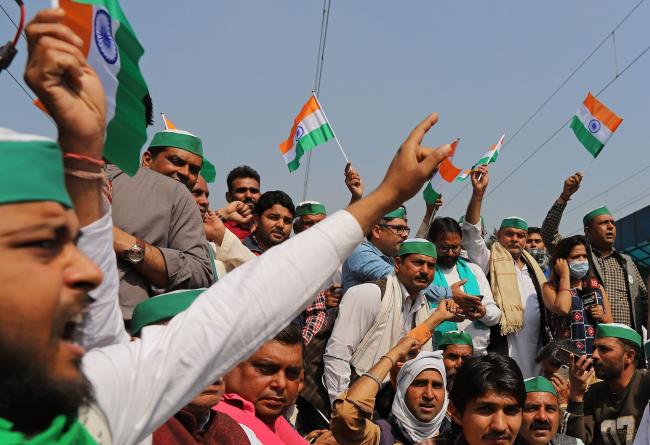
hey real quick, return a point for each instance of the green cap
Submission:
(178, 139)
(618, 330)
(162, 307)
(310, 208)
(31, 169)
(399, 212)
(418, 246)
(539, 384)
(208, 171)
(455, 338)
(594, 213)
(514, 222)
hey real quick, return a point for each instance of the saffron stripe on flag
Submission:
(599, 111)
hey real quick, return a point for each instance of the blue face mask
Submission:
(578, 270)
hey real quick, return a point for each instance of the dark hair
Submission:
(627, 345)
(243, 171)
(441, 226)
(291, 335)
(484, 373)
(562, 250)
(155, 151)
(273, 197)
(535, 230)
(551, 349)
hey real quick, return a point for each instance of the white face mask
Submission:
(578, 269)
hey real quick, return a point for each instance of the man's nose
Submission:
(81, 273)
(498, 421)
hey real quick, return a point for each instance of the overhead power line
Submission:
(319, 74)
(562, 84)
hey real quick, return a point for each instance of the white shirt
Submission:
(480, 337)
(523, 345)
(358, 312)
(137, 384)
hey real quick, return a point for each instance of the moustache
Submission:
(493, 435)
(248, 200)
(538, 425)
(422, 277)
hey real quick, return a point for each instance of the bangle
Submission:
(78, 157)
(367, 374)
(392, 363)
(564, 288)
(83, 174)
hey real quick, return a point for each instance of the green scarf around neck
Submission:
(471, 287)
(59, 433)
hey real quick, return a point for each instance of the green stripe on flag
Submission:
(126, 132)
(429, 194)
(588, 140)
(315, 137)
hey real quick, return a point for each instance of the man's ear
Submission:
(228, 197)
(398, 263)
(147, 159)
(375, 232)
(455, 415)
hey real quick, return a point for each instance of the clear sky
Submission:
(236, 73)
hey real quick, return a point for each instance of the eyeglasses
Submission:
(397, 230)
(452, 249)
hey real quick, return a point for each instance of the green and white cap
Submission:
(31, 169)
(310, 208)
(399, 212)
(455, 338)
(514, 222)
(178, 139)
(163, 307)
(603, 210)
(618, 330)
(539, 384)
(418, 246)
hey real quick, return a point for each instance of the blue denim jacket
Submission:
(367, 263)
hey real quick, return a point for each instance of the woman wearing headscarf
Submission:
(420, 402)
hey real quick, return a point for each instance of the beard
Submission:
(30, 398)
(447, 261)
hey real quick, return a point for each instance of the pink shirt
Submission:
(243, 412)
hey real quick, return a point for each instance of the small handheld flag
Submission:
(488, 157)
(445, 175)
(593, 124)
(310, 128)
(113, 50)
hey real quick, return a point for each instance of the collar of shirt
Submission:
(379, 253)
(614, 253)
(413, 302)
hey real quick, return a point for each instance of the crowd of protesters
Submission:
(133, 311)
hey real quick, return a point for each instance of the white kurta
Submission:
(358, 312)
(140, 384)
(480, 337)
(523, 345)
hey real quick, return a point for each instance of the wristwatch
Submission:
(135, 254)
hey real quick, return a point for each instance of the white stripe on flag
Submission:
(310, 123)
(290, 155)
(602, 133)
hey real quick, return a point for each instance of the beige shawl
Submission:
(505, 287)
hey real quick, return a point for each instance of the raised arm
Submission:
(73, 95)
(550, 227)
(473, 240)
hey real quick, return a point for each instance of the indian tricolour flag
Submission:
(594, 124)
(113, 50)
(445, 175)
(488, 157)
(310, 128)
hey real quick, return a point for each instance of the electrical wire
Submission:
(21, 23)
(548, 99)
(319, 74)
